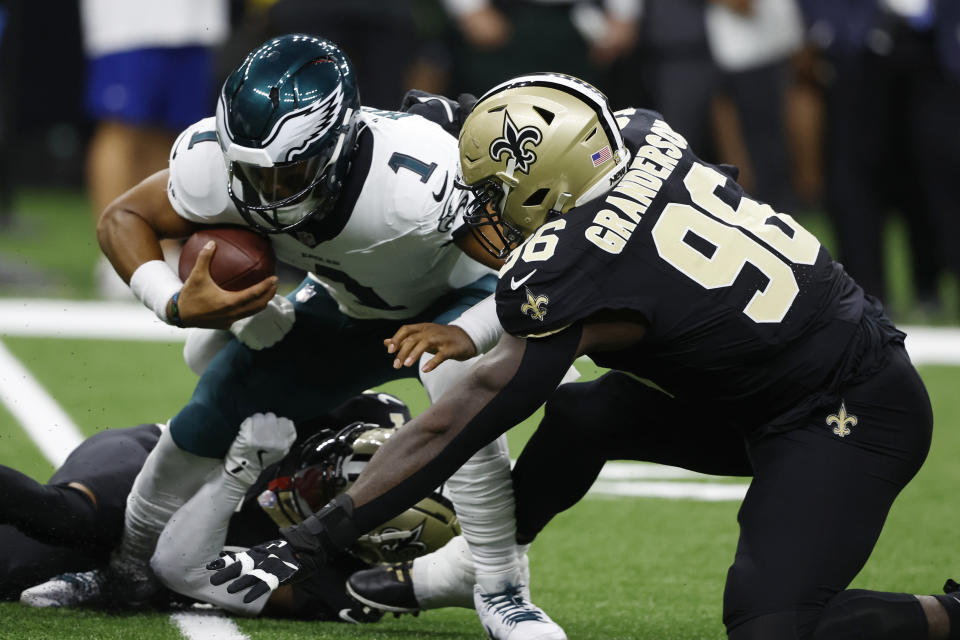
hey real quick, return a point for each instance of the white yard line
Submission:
(41, 318)
(633, 479)
(207, 625)
(82, 319)
(42, 418)
(704, 491)
(644, 480)
(648, 471)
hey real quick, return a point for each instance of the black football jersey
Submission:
(746, 310)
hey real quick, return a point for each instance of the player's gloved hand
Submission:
(203, 303)
(262, 568)
(268, 327)
(302, 549)
(446, 341)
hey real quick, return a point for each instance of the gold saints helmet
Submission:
(328, 463)
(537, 144)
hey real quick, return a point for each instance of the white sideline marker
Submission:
(212, 625)
(54, 433)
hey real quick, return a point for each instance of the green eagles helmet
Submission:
(328, 464)
(287, 126)
(535, 146)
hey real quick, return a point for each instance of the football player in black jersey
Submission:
(736, 344)
(67, 527)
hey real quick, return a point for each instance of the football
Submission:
(242, 258)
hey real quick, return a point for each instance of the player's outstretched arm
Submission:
(446, 342)
(505, 386)
(477, 330)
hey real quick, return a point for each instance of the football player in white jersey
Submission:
(364, 201)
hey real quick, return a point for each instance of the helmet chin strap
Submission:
(344, 127)
(508, 182)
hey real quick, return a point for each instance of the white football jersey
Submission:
(395, 254)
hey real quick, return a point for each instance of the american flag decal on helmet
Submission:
(601, 156)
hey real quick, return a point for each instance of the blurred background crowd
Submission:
(848, 107)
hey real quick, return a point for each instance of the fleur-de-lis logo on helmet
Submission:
(535, 306)
(512, 143)
(843, 420)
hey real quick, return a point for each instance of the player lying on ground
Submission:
(363, 200)
(668, 271)
(68, 526)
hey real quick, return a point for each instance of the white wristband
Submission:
(154, 283)
(481, 323)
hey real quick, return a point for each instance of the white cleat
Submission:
(66, 590)
(508, 615)
(263, 439)
(445, 578)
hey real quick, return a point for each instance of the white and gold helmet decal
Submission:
(534, 145)
(513, 143)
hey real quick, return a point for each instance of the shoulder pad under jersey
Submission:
(198, 176)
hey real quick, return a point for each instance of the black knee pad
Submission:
(872, 615)
(772, 626)
(566, 404)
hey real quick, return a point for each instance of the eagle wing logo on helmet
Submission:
(310, 124)
(512, 143)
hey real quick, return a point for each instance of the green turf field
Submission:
(611, 567)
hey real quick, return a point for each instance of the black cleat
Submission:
(360, 614)
(951, 587)
(387, 588)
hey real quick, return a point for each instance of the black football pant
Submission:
(48, 529)
(811, 516)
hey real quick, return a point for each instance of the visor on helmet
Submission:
(284, 196)
(283, 182)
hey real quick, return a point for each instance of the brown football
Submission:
(242, 259)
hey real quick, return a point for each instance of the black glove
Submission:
(443, 111)
(262, 568)
(301, 549)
